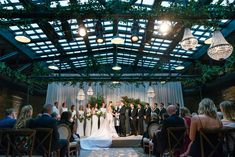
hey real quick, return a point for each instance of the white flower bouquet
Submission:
(99, 113)
(88, 115)
(81, 118)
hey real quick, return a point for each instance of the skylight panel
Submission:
(19, 7)
(14, 28)
(34, 25)
(34, 37)
(198, 33)
(8, 8)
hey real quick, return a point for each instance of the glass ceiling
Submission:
(126, 54)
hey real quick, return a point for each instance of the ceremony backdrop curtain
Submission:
(170, 92)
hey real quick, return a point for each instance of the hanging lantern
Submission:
(90, 91)
(220, 49)
(81, 94)
(188, 41)
(150, 92)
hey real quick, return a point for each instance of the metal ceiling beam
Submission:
(50, 15)
(10, 38)
(111, 51)
(67, 30)
(24, 67)
(115, 31)
(8, 56)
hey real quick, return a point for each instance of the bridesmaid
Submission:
(80, 121)
(74, 112)
(95, 119)
(103, 110)
(88, 120)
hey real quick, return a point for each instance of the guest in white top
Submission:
(63, 108)
(88, 120)
(74, 112)
(95, 119)
(228, 109)
(103, 110)
(80, 121)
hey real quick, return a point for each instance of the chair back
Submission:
(20, 141)
(175, 137)
(43, 140)
(3, 142)
(152, 129)
(230, 141)
(64, 131)
(211, 142)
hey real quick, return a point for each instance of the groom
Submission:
(122, 118)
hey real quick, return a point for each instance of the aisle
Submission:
(114, 152)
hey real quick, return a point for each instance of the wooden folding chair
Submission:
(20, 141)
(175, 137)
(43, 140)
(211, 142)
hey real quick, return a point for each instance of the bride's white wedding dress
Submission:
(102, 138)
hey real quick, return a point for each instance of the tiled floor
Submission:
(114, 152)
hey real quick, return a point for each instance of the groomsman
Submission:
(162, 111)
(122, 118)
(155, 113)
(116, 117)
(133, 116)
(147, 114)
(140, 119)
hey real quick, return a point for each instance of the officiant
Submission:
(116, 117)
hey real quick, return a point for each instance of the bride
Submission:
(102, 138)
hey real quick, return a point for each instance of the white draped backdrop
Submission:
(170, 92)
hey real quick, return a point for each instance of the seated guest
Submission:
(185, 114)
(207, 118)
(160, 140)
(228, 110)
(66, 119)
(24, 117)
(55, 116)
(46, 121)
(10, 119)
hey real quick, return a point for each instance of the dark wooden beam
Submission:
(8, 56)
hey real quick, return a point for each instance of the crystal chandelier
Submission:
(188, 41)
(81, 94)
(220, 49)
(150, 92)
(90, 91)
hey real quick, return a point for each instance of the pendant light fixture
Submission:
(150, 92)
(99, 32)
(81, 94)
(134, 31)
(189, 41)
(90, 90)
(220, 49)
(23, 38)
(82, 30)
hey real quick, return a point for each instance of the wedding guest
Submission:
(88, 115)
(147, 114)
(63, 108)
(103, 110)
(162, 111)
(56, 108)
(140, 119)
(80, 121)
(228, 110)
(24, 117)
(10, 119)
(122, 117)
(207, 118)
(155, 113)
(185, 114)
(74, 112)
(66, 119)
(55, 116)
(178, 108)
(133, 116)
(46, 121)
(95, 119)
(160, 141)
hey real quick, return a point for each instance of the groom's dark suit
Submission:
(122, 118)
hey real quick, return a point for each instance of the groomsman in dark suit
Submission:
(116, 117)
(133, 116)
(122, 118)
(140, 119)
(162, 111)
(155, 113)
(147, 114)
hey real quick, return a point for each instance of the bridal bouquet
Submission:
(88, 115)
(99, 113)
(81, 118)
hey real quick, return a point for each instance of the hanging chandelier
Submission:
(189, 41)
(219, 49)
(150, 92)
(81, 94)
(90, 91)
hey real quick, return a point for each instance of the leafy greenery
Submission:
(99, 99)
(127, 101)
